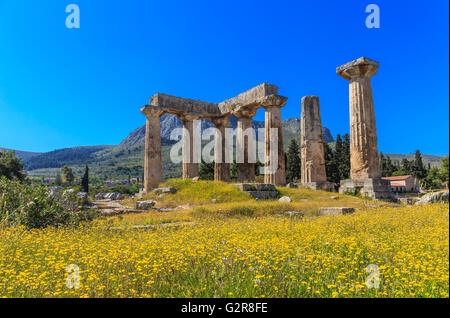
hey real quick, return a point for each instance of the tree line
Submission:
(337, 165)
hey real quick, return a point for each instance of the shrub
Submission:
(33, 206)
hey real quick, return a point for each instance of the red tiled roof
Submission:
(397, 178)
(397, 184)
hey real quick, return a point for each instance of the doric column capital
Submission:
(221, 121)
(273, 101)
(362, 67)
(152, 111)
(187, 117)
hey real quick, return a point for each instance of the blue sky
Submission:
(63, 87)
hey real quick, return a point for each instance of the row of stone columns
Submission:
(245, 166)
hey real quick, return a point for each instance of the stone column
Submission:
(152, 161)
(245, 169)
(274, 172)
(189, 147)
(363, 133)
(221, 168)
(312, 153)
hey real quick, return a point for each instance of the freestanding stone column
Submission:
(274, 171)
(221, 167)
(245, 169)
(190, 148)
(152, 161)
(313, 159)
(365, 172)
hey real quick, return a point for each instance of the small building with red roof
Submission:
(406, 183)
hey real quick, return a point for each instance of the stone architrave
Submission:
(221, 167)
(313, 172)
(365, 171)
(245, 146)
(152, 161)
(274, 149)
(190, 147)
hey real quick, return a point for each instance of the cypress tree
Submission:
(293, 163)
(85, 180)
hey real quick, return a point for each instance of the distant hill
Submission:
(434, 161)
(127, 158)
(24, 155)
(61, 157)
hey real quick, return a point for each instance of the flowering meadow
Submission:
(374, 252)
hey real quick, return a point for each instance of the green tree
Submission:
(293, 162)
(68, 174)
(387, 167)
(58, 180)
(444, 170)
(342, 156)
(206, 171)
(418, 169)
(433, 178)
(85, 180)
(233, 170)
(258, 165)
(10, 166)
(330, 164)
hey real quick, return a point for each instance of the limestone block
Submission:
(144, 205)
(285, 199)
(335, 210)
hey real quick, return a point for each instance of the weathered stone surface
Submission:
(100, 196)
(363, 134)
(335, 210)
(221, 168)
(191, 151)
(112, 196)
(245, 139)
(152, 160)
(375, 188)
(255, 187)
(263, 195)
(323, 185)
(434, 197)
(285, 199)
(265, 187)
(365, 171)
(295, 214)
(312, 153)
(274, 151)
(144, 205)
(165, 190)
(252, 96)
(178, 105)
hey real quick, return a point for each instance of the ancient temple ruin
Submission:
(365, 171)
(365, 176)
(243, 107)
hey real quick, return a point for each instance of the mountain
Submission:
(170, 122)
